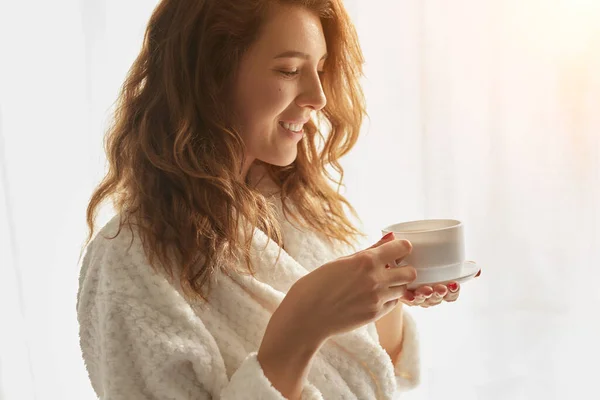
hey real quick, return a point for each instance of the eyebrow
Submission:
(296, 54)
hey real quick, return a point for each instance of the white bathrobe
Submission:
(141, 340)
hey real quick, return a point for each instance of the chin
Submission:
(283, 160)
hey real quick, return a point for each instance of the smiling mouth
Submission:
(296, 128)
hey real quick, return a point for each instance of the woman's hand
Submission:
(428, 296)
(349, 292)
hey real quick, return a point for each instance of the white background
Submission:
(487, 111)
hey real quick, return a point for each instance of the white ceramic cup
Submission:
(438, 248)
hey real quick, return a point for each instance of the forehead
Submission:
(292, 28)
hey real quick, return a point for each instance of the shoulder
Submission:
(114, 250)
(115, 264)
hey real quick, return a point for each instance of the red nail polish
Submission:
(478, 273)
(409, 296)
(453, 287)
(387, 236)
(387, 266)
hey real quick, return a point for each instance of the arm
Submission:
(398, 337)
(389, 328)
(285, 354)
(135, 351)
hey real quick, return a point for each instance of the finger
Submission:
(420, 300)
(439, 290)
(433, 301)
(408, 298)
(453, 291)
(389, 252)
(422, 293)
(401, 275)
(450, 297)
(425, 291)
(394, 292)
(387, 238)
(437, 297)
(453, 286)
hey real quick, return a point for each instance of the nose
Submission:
(312, 95)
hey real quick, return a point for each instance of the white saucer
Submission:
(468, 271)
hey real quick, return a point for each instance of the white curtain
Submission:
(483, 110)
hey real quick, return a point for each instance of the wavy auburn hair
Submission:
(175, 157)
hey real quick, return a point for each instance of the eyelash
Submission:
(291, 74)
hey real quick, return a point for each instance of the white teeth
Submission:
(292, 127)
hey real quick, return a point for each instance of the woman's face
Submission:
(278, 85)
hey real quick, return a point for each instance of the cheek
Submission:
(261, 100)
(275, 99)
(268, 101)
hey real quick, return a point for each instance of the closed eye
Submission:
(289, 74)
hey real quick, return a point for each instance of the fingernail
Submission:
(479, 273)
(389, 235)
(409, 296)
(453, 287)
(387, 266)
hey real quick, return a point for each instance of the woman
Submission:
(231, 268)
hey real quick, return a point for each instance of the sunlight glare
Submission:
(564, 29)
